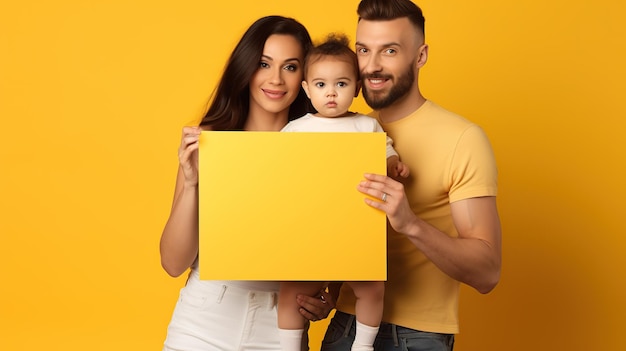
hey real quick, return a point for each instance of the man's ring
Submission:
(384, 198)
(322, 298)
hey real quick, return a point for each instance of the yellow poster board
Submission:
(284, 206)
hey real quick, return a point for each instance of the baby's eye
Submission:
(342, 84)
(320, 84)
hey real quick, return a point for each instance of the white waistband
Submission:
(258, 286)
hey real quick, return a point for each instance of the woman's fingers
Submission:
(184, 154)
(188, 147)
(191, 130)
(190, 135)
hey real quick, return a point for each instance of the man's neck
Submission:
(401, 108)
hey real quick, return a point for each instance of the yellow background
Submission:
(93, 95)
(260, 208)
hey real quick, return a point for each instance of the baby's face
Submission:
(331, 85)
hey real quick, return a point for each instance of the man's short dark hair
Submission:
(385, 10)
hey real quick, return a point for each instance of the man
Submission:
(444, 227)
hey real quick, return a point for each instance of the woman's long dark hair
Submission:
(230, 103)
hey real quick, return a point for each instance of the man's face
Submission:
(387, 52)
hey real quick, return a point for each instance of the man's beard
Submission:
(379, 100)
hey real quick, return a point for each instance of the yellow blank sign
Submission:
(284, 206)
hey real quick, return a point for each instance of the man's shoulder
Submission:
(433, 109)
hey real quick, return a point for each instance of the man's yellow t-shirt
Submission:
(450, 159)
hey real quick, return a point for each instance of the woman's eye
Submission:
(263, 64)
(291, 68)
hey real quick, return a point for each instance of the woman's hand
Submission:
(188, 154)
(315, 308)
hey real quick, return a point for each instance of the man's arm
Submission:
(474, 257)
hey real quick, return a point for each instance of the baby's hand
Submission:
(396, 168)
(402, 169)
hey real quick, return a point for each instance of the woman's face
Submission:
(276, 83)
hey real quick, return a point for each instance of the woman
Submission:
(260, 90)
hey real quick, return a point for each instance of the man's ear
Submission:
(305, 86)
(422, 56)
(358, 88)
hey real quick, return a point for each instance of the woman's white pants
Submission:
(222, 315)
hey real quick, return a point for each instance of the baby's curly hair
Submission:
(336, 45)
